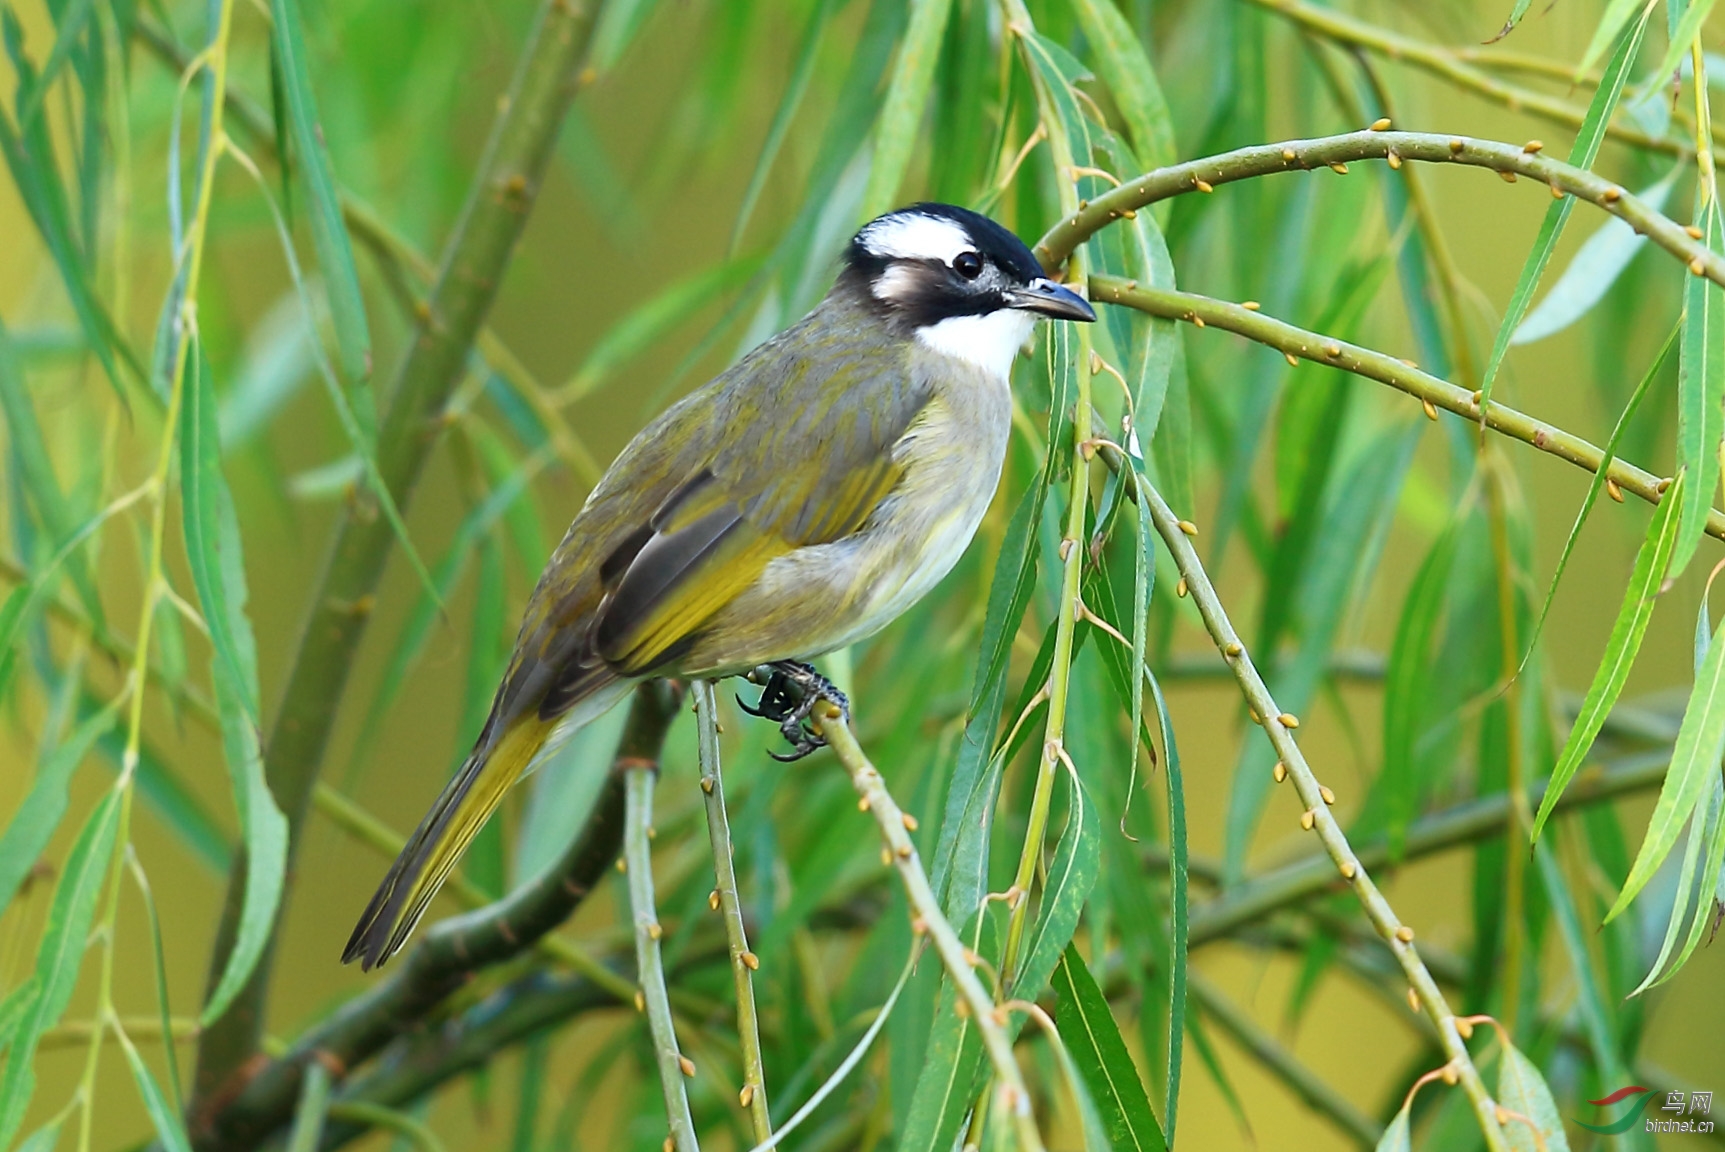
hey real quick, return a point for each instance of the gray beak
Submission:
(1050, 299)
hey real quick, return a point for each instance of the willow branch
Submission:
(925, 908)
(674, 1067)
(453, 950)
(1300, 343)
(1457, 68)
(743, 961)
(1325, 151)
(1312, 1090)
(1317, 817)
(1475, 820)
(504, 189)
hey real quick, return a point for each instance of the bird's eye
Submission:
(968, 265)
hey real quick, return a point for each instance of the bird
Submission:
(795, 504)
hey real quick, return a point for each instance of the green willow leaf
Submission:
(1702, 857)
(202, 493)
(1651, 564)
(33, 824)
(59, 956)
(328, 230)
(164, 1012)
(1397, 1137)
(1125, 67)
(1521, 1088)
(1590, 1003)
(29, 448)
(1071, 876)
(901, 115)
(165, 1116)
(1598, 483)
(1406, 681)
(1688, 28)
(1694, 764)
(1100, 1052)
(619, 24)
(1597, 264)
(1581, 154)
(1700, 394)
(266, 839)
(795, 88)
(1616, 15)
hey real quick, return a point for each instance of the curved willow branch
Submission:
(1332, 151)
(899, 850)
(1301, 343)
(1317, 817)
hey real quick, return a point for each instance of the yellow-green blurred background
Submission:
(644, 190)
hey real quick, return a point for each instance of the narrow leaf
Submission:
(59, 956)
(266, 837)
(163, 1115)
(1651, 564)
(1694, 763)
(329, 232)
(1700, 394)
(33, 824)
(1100, 1052)
(1522, 1089)
(1598, 263)
(1587, 141)
(906, 97)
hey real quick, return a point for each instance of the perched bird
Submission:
(796, 504)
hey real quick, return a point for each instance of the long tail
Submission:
(460, 811)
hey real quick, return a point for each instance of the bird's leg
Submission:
(789, 690)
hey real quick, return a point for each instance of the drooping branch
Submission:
(1303, 344)
(1336, 152)
(954, 956)
(1316, 798)
(454, 950)
(504, 189)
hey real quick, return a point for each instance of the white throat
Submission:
(989, 342)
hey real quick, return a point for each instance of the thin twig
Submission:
(674, 1067)
(1302, 343)
(1282, 1064)
(743, 961)
(1013, 1096)
(1317, 817)
(1324, 151)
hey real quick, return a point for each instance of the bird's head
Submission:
(957, 281)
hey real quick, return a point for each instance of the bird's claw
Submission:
(788, 696)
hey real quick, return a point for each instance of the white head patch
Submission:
(990, 341)
(915, 236)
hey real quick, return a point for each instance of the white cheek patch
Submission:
(894, 284)
(989, 342)
(916, 237)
